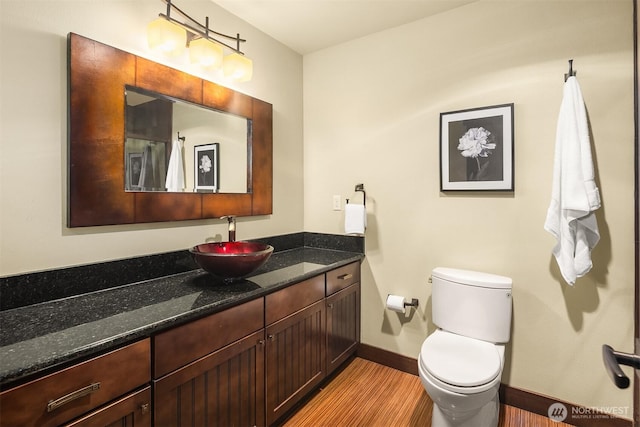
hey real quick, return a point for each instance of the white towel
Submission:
(355, 218)
(574, 196)
(175, 172)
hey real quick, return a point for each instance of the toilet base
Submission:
(487, 416)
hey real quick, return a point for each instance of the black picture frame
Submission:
(134, 167)
(207, 167)
(476, 149)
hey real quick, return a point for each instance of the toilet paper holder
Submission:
(399, 304)
(413, 303)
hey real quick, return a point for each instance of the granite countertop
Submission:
(37, 337)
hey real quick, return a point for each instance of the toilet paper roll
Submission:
(395, 303)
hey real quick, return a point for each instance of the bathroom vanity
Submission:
(182, 349)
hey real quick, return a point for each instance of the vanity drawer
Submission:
(66, 394)
(131, 410)
(289, 300)
(342, 277)
(184, 344)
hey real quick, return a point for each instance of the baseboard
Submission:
(532, 402)
(388, 358)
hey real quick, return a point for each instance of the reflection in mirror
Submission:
(173, 145)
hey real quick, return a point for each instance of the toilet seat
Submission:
(461, 364)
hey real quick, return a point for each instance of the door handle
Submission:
(612, 361)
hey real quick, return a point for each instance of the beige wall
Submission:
(371, 115)
(33, 233)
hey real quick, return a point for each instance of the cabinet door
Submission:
(343, 325)
(225, 388)
(133, 410)
(295, 358)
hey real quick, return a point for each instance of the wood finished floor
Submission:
(371, 395)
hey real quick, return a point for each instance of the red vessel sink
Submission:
(231, 259)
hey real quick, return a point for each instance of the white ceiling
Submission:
(309, 25)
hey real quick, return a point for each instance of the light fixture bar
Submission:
(202, 31)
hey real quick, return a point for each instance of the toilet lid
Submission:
(460, 361)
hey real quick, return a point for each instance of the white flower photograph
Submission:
(476, 149)
(207, 171)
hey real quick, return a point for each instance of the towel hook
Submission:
(181, 138)
(571, 73)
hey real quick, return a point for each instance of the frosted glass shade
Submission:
(205, 53)
(166, 37)
(237, 67)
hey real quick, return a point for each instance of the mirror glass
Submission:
(176, 146)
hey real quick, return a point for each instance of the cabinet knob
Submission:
(261, 342)
(346, 276)
(271, 337)
(144, 408)
(330, 305)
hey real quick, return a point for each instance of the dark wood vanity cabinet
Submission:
(343, 314)
(247, 365)
(225, 388)
(251, 364)
(312, 328)
(210, 372)
(295, 347)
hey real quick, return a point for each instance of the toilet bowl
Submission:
(462, 377)
(460, 364)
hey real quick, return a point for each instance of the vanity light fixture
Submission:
(170, 36)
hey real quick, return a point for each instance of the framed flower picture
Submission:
(134, 168)
(207, 170)
(476, 149)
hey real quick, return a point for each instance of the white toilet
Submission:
(461, 363)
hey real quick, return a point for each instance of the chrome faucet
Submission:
(232, 226)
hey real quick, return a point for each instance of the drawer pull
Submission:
(345, 276)
(85, 391)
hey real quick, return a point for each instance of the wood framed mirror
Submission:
(98, 75)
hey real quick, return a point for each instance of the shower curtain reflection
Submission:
(145, 165)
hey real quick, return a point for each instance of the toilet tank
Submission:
(472, 304)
